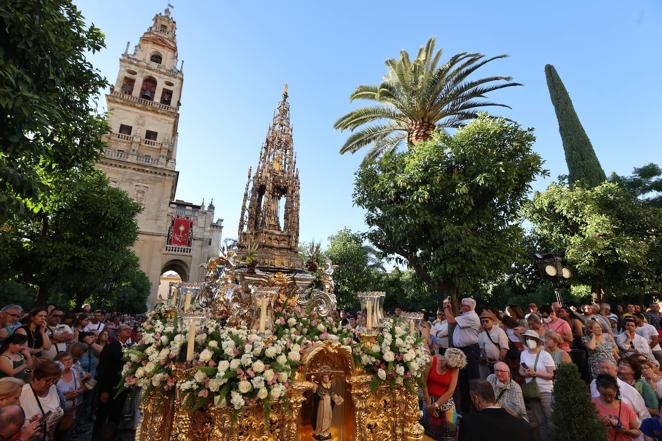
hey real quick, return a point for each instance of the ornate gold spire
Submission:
(270, 209)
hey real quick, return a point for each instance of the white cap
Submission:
(471, 303)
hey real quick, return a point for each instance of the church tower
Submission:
(269, 221)
(141, 153)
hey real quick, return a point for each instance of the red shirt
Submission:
(438, 383)
(627, 417)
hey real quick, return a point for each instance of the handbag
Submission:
(530, 390)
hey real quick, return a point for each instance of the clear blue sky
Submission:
(238, 55)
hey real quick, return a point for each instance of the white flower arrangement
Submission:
(150, 362)
(395, 357)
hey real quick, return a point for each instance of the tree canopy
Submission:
(612, 239)
(450, 207)
(583, 164)
(48, 90)
(81, 250)
(417, 97)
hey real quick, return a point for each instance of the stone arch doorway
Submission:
(178, 266)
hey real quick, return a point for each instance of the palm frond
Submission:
(369, 135)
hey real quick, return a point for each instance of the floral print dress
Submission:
(602, 351)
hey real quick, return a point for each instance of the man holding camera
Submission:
(464, 336)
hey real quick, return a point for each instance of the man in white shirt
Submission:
(632, 343)
(96, 324)
(649, 332)
(493, 343)
(464, 336)
(440, 332)
(629, 394)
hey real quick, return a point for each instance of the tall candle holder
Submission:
(414, 320)
(372, 308)
(263, 298)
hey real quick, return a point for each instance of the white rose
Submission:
(413, 366)
(321, 328)
(389, 356)
(164, 340)
(258, 366)
(257, 382)
(262, 394)
(246, 359)
(364, 359)
(212, 344)
(399, 342)
(234, 364)
(381, 374)
(277, 391)
(375, 348)
(237, 400)
(140, 372)
(400, 370)
(294, 356)
(205, 355)
(244, 386)
(214, 385)
(200, 376)
(200, 338)
(398, 380)
(282, 377)
(269, 375)
(281, 359)
(291, 321)
(270, 352)
(168, 329)
(223, 366)
(134, 357)
(156, 380)
(149, 367)
(295, 348)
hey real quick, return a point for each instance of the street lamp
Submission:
(551, 268)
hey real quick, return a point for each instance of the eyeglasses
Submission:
(501, 370)
(485, 320)
(12, 315)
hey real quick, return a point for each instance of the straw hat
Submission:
(531, 334)
(487, 314)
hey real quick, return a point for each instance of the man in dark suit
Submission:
(491, 422)
(109, 374)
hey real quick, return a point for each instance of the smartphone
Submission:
(524, 366)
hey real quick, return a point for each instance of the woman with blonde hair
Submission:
(553, 342)
(600, 347)
(10, 390)
(439, 415)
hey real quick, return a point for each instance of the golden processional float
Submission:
(257, 352)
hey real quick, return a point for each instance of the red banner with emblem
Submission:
(180, 232)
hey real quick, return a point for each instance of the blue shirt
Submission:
(652, 427)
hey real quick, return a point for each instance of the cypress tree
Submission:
(574, 416)
(583, 164)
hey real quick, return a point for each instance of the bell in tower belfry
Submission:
(269, 221)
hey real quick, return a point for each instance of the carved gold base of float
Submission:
(384, 414)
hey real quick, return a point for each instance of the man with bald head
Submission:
(12, 420)
(507, 392)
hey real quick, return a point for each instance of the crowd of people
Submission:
(59, 370)
(492, 372)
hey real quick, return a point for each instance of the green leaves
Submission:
(48, 91)
(612, 239)
(417, 97)
(450, 206)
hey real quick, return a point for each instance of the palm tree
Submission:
(416, 98)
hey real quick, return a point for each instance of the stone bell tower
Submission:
(141, 152)
(269, 220)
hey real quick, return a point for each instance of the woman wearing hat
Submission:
(536, 365)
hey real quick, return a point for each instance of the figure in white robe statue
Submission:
(324, 399)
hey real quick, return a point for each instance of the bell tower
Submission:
(141, 152)
(269, 220)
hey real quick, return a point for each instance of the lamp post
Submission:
(552, 268)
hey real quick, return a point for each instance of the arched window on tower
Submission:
(156, 58)
(127, 85)
(148, 89)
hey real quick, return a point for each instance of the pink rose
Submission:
(203, 393)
